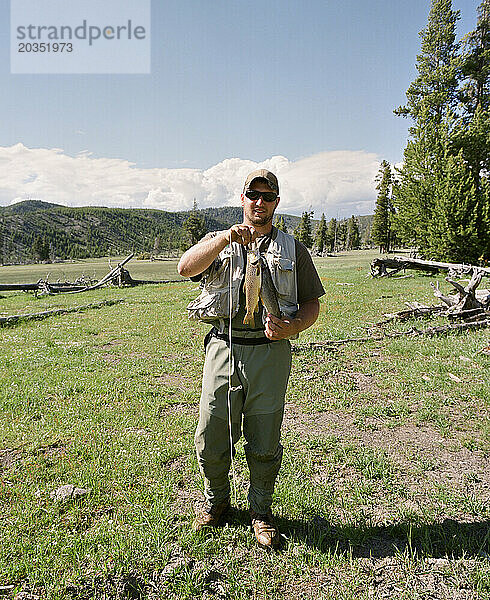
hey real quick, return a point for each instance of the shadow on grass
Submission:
(449, 538)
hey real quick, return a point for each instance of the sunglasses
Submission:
(266, 196)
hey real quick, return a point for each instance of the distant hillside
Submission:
(88, 231)
(97, 231)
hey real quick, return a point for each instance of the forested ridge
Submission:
(36, 230)
(32, 229)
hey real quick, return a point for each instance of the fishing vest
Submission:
(213, 302)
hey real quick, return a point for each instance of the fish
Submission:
(268, 292)
(259, 286)
(252, 284)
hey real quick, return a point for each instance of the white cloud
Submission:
(336, 183)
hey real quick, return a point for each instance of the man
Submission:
(261, 352)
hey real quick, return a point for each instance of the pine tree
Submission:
(279, 224)
(342, 235)
(332, 235)
(303, 231)
(431, 104)
(194, 226)
(40, 248)
(353, 236)
(366, 236)
(475, 67)
(432, 95)
(157, 245)
(321, 235)
(472, 131)
(453, 235)
(484, 218)
(380, 231)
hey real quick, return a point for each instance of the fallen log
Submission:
(413, 331)
(22, 287)
(15, 319)
(143, 281)
(431, 331)
(413, 312)
(380, 266)
(41, 286)
(113, 273)
(466, 298)
(124, 278)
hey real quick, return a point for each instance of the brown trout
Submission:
(252, 284)
(268, 292)
(258, 284)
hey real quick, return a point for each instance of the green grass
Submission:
(94, 268)
(384, 486)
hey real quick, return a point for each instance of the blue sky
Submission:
(304, 87)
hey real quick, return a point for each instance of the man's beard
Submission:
(261, 219)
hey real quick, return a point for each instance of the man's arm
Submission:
(198, 258)
(278, 329)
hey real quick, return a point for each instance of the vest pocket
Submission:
(283, 275)
(218, 276)
(210, 306)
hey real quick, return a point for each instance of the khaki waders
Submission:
(259, 381)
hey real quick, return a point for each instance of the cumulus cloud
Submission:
(337, 183)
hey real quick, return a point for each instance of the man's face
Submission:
(258, 212)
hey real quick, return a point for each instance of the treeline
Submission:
(34, 230)
(439, 200)
(338, 234)
(39, 231)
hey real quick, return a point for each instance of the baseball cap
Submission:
(263, 174)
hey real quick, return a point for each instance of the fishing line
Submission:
(230, 372)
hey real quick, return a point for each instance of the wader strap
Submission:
(236, 340)
(207, 338)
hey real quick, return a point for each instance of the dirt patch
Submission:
(388, 578)
(177, 464)
(429, 471)
(54, 449)
(111, 359)
(173, 380)
(111, 344)
(137, 355)
(187, 495)
(140, 431)
(156, 584)
(437, 578)
(27, 594)
(401, 441)
(9, 457)
(178, 409)
(362, 382)
(318, 423)
(179, 358)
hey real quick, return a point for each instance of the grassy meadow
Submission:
(385, 485)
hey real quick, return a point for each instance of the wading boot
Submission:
(209, 515)
(266, 533)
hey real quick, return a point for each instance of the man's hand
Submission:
(279, 329)
(242, 234)
(198, 258)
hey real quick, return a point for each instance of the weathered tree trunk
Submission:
(118, 275)
(14, 319)
(468, 300)
(380, 266)
(113, 273)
